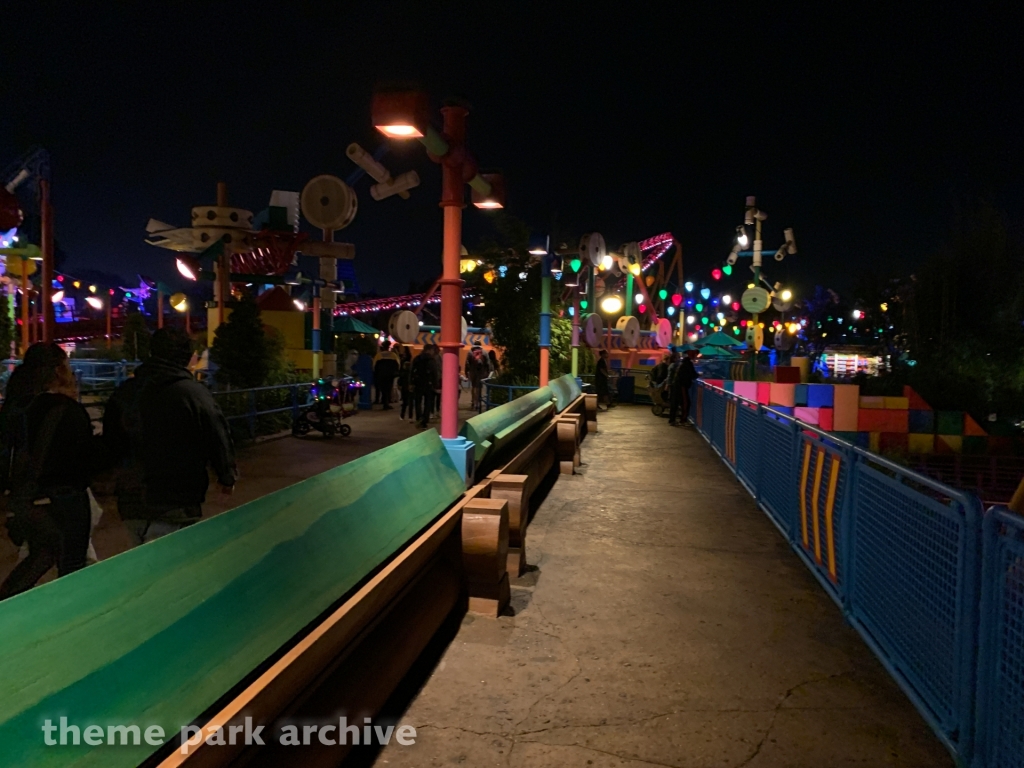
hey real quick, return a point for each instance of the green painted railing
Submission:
(565, 389)
(490, 429)
(157, 635)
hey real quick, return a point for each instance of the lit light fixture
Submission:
(787, 295)
(727, 269)
(188, 267)
(92, 289)
(95, 302)
(635, 270)
(857, 314)
(677, 299)
(727, 299)
(688, 286)
(58, 297)
(400, 114)
(467, 265)
(575, 264)
(662, 294)
(611, 305)
(639, 298)
(671, 311)
(716, 274)
(607, 261)
(699, 307)
(493, 199)
(77, 283)
(179, 302)
(884, 307)
(741, 236)
(299, 305)
(690, 319)
(705, 293)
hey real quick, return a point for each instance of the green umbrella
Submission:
(351, 325)
(719, 339)
(722, 352)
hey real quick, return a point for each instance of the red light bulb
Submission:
(716, 273)
(677, 299)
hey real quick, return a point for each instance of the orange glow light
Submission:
(488, 204)
(400, 131)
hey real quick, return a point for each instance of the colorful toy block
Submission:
(897, 403)
(881, 420)
(807, 415)
(783, 394)
(922, 422)
(949, 444)
(849, 437)
(825, 419)
(786, 409)
(893, 442)
(819, 395)
(804, 364)
(924, 443)
(949, 422)
(714, 382)
(845, 404)
(917, 403)
(764, 392)
(972, 428)
(975, 445)
(875, 442)
(800, 398)
(872, 402)
(787, 374)
(862, 439)
(728, 385)
(1000, 446)
(745, 389)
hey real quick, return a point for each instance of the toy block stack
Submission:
(904, 424)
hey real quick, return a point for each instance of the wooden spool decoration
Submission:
(485, 531)
(593, 330)
(592, 248)
(629, 326)
(663, 332)
(404, 326)
(328, 202)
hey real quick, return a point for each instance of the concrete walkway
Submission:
(666, 623)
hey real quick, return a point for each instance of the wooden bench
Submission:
(247, 613)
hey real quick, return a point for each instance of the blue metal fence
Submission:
(1000, 719)
(901, 554)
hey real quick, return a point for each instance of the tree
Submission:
(244, 355)
(6, 326)
(135, 337)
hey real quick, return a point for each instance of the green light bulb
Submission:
(727, 269)
(699, 307)
(583, 304)
(704, 321)
(662, 294)
(575, 264)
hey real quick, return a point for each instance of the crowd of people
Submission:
(162, 433)
(417, 380)
(673, 377)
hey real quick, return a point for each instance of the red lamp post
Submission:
(404, 115)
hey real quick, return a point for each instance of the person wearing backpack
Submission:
(426, 379)
(163, 429)
(52, 456)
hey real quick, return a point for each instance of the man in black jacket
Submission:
(426, 381)
(681, 376)
(163, 429)
(385, 369)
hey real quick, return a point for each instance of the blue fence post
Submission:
(846, 531)
(295, 401)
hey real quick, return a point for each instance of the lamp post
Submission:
(544, 251)
(403, 115)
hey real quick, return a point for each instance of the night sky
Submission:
(863, 131)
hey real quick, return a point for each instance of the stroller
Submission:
(658, 398)
(331, 401)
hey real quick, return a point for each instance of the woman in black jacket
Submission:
(53, 454)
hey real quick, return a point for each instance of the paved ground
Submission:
(666, 623)
(264, 467)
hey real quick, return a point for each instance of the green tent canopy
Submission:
(351, 325)
(719, 339)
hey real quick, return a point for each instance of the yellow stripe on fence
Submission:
(819, 467)
(830, 502)
(803, 494)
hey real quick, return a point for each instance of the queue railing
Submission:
(901, 555)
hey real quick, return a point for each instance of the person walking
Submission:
(478, 368)
(681, 376)
(601, 380)
(52, 456)
(405, 384)
(426, 380)
(492, 358)
(163, 429)
(385, 369)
